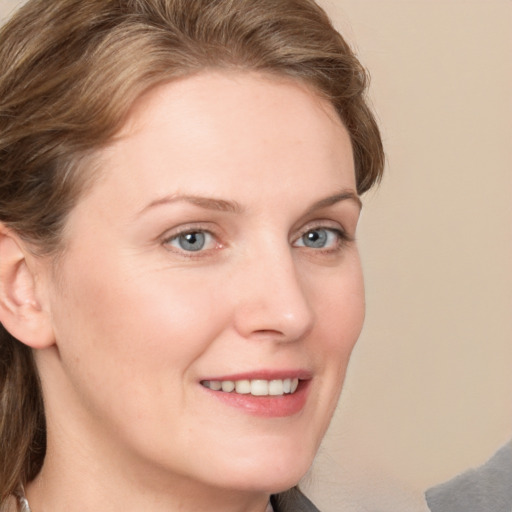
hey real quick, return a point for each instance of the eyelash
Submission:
(342, 236)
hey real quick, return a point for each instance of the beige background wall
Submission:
(7, 6)
(429, 392)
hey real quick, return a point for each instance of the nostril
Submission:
(271, 334)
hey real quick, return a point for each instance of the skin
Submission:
(136, 322)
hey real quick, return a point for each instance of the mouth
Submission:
(265, 393)
(254, 387)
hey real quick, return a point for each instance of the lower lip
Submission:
(266, 406)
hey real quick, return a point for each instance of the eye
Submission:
(320, 238)
(192, 241)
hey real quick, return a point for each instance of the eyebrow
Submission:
(208, 203)
(343, 195)
(221, 205)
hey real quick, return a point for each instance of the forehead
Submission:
(231, 134)
(231, 99)
(223, 87)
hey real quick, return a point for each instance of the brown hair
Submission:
(70, 71)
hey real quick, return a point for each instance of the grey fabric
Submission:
(485, 489)
(292, 501)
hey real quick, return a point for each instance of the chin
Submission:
(276, 472)
(268, 480)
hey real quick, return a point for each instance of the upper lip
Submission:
(265, 374)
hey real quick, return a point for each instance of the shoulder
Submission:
(292, 501)
(484, 489)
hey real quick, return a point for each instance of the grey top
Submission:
(296, 502)
(485, 489)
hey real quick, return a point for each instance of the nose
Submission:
(271, 301)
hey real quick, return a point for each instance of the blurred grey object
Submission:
(485, 489)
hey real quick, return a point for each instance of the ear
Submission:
(21, 312)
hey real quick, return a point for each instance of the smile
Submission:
(255, 387)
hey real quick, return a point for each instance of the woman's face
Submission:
(216, 249)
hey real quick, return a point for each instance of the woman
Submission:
(180, 283)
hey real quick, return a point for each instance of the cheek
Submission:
(340, 306)
(139, 333)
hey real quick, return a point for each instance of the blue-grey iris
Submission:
(316, 238)
(192, 241)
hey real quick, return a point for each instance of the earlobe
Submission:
(21, 313)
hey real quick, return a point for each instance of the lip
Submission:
(265, 406)
(265, 375)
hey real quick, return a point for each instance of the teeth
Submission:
(259, 387)
(243, 387)
(256, 387)
(228, 386)
(216, 385)
(275, 387)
